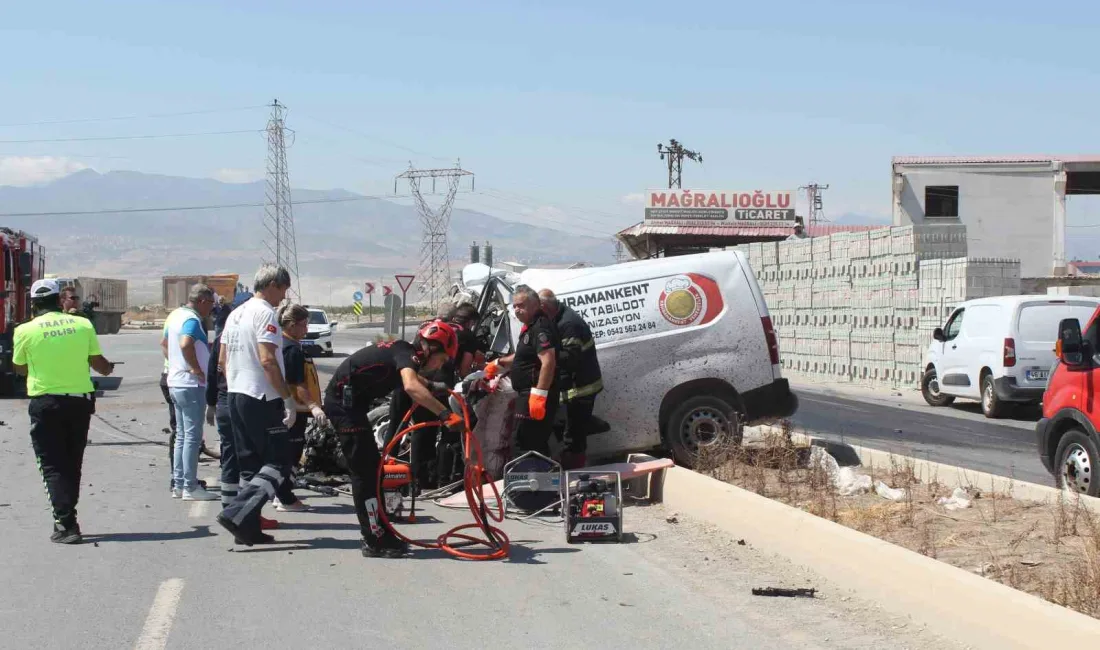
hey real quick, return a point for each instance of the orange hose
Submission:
(473, 482)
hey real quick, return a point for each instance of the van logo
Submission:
(680, 303)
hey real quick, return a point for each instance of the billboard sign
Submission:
(720, 208)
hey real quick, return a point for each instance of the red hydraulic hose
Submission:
(473, 482)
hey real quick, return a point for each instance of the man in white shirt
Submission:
(188, 352)
(261, 404)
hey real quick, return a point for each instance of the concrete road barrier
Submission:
(950, 601)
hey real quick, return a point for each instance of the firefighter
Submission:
(365, 377)
(534, 368)
(579, 374)
(432, 467)
(54, 351)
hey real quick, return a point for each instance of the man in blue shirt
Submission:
(187, 350)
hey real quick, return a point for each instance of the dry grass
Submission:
(1049, 550)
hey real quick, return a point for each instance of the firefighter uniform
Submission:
(538, 336)
(55, 348)
(358, 382)
(581, 380)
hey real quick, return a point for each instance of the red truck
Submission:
(24, 261)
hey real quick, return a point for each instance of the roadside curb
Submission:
(949, 601)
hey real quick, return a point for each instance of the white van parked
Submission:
(998, 350)
(686, 347)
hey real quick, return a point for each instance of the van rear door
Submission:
(767, 328)
(1036, 330)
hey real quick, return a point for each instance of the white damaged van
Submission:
(685, 343)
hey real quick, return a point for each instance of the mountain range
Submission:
(343, 239)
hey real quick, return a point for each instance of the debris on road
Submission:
(887, 492)
(672, 519)
(958, 500)
(785, 593)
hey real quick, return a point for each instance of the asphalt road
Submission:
(160, 573)
(957, 435)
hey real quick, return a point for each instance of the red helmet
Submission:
(442, 333)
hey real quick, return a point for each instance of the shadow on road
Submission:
(1021, 412)
(341, 509)
(519, 554)
(318, 526)
(135, 443)
(197, 532)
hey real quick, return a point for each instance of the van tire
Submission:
(1077, 454)
(929, 389)
(702, 415)
(992, 406)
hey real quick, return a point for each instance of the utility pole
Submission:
(620, 254)
(434, 273)
(817, 210)
(676, 154)
(282, 249)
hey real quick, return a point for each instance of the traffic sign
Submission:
(405, 281)
(357, 307)
(386, 290)
(357, 296)
(369, 287)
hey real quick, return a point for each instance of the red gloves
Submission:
(491, 369)
(450, 420)
(536, 404)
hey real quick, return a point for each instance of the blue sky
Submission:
(558, 107)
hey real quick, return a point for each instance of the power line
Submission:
(374, 138)
(84, 120)
(187, 208)
(575, 227)
(131, 137)
(534, 203)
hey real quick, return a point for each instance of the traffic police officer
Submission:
(579, 373)
(534, 372)
(54, 351)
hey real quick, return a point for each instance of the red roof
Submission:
(826, 229)
(709, 231)
(979, 160)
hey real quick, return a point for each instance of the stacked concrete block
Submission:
(1083, 290)
(861, 307)
(840, 352)
(969, 278)
(939, 242)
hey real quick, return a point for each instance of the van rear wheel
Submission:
(992, 406)
(930, 389)
(704, 425)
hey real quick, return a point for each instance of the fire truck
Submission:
(24, 261)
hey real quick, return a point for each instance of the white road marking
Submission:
(154, 636)
(198, 509)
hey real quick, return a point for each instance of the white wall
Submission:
(1008, 211)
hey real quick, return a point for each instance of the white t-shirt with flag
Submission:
(249, 325)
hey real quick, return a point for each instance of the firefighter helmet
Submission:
(442, 333)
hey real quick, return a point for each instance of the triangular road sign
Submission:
(405, 281)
